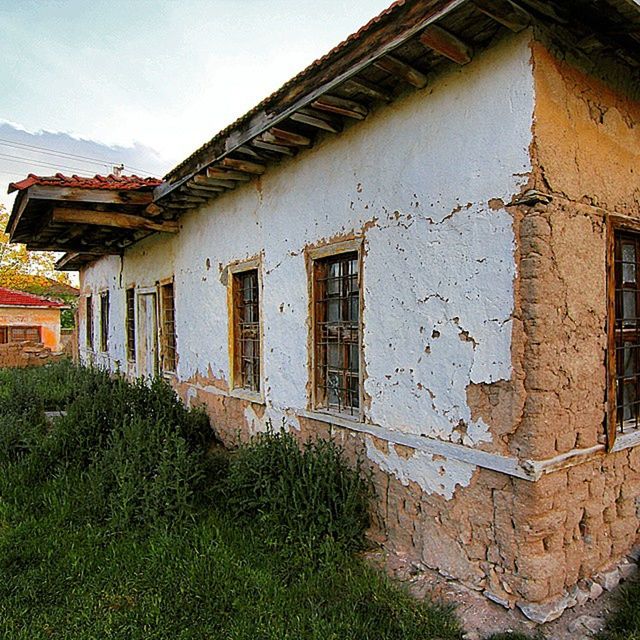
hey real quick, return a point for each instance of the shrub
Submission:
(305, 495)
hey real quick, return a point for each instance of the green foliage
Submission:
(114, 523)
(304, 495)
(624, 624)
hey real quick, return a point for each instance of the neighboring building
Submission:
(25, 317)
(427, 243)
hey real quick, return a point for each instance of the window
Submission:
(246, 330)
(131, 323)
(104, 321)
(336, 328)
(168, 327)
(19, 334)
(624, 335)
(89, 322)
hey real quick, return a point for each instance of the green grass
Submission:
(116, 523)
(624, 624)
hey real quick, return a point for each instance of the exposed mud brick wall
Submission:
(26, 354)
(586, 153)
(563, 307)
(587, 131)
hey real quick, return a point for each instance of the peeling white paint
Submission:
(438, 271)
(433, 474)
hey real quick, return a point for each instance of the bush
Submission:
(305, 495)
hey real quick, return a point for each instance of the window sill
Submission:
(246, 394)
(341, 419)
(626, 440)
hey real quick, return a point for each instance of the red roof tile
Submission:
(121, 183)
(11, 298)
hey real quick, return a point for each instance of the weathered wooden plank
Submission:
(446, 44)
(506, 13)
(198, 191)
(341, 106)
(402, 70)
(221, 174)
(270, 146)
(243, 165)
(72, 194)
(153, 210)
(188, 199)
(109, 219)
(315, 119)
(219, 182)
(282, 136)
(204, 182)
(368, 89)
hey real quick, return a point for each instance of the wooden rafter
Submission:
(446, 44)
(255, 168)
(109, 219)
(288, 138)
(261, 143)
(368, 89)
(221, 174)
(506, 13)
(316, 119)
(205, 183)
(341, 106)
(402, 70)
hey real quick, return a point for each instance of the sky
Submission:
(142, 82)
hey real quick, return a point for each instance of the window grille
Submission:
(131, 324)
(337, 333)
(168, 328)
(247, 330)
(104, 321)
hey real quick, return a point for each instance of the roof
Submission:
(396, 52)
(37, 284)
(122, 183)
(11, 298)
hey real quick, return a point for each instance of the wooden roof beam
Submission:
(316, 119)
(111, 219)
(402, 70)
(270, 146)
(278, 135)
(221, 174)
(206, 183)
(341, 107)
(446, 44)
(73, 194)
(506, 13)
(254, 168)
(368, 89)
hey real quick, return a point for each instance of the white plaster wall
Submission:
(414, 180)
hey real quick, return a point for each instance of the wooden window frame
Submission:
(104, 308)
(88, 322)
(168, 343)
(4, 335)
(130, 322)
(8, 331)
(615, 225)
(235, 272)
(316, 256)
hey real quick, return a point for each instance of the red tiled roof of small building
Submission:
(11, 298)
(121, 183)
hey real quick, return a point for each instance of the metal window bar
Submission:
(168, 327)
(131, 324)
(89, 322)
(248, 330)
(337, 321)
(627, 330)
(104, 321)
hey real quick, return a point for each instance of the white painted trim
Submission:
(495, 462)
(626, 440)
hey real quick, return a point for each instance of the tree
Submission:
(16, 259)
(33, 271)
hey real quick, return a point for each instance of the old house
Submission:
(25, 317)
(428, 243)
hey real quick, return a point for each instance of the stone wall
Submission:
(26, 354)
